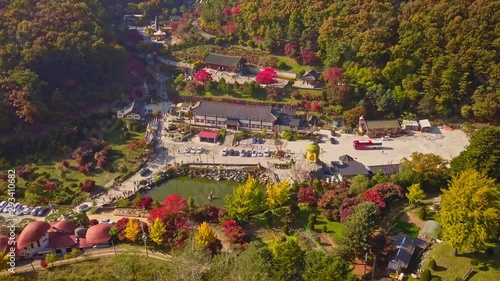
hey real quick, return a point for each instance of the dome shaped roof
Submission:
(64, 226)
(98, 234)
(32, 232)
(312, 147)
(81, 232)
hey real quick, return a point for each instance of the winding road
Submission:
(92, 254)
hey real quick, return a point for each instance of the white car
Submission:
(386, 138)
(187, 149)
(224, 152)
(107, 221)
(260, 154)
(267, 153)
(83, 208)
(3, 204)
(254, 153)
(193, 150)
(200, 150)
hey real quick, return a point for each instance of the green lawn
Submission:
(100, 176)
(450, 267)
(406, 228)
(260, 96)
(294, 66)
(333, 227)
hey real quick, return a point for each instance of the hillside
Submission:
(434, 58)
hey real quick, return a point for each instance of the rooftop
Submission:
(98, 234)
(405, 246)
(311, 75)
(136, 107)
(58, 240)
(223, 60)
(237, 111)
(207, 135)
(388, 169)
(424, 123)
(32, 232)
(382, 124)
(347, 166)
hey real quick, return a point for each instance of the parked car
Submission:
(224, 152)
(267, 153)
(187, 149)
(236, 153)
(385, 138)
(83, 208)
(27, 210)
(110, 221)
(260, 154)
(243, 153)
(35, 210)
(42, 212)
(332, 140)
(200, 150)
(254, 140)
(231, 152)
(254, 153)
(3, 204)
(249, 153)
(144, 172)
(261, 141)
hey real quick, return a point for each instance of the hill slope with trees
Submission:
(433, 57)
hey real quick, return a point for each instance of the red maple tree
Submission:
(290, 50)
(203, 76)
(173, 206)
(145, 202)
(306, 195)
(308, 57)
(88, 186)
(334, 76)
(315, 106)
(234, 233)
(230, 28)
(267, 76)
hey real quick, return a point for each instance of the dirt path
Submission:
(410, 217)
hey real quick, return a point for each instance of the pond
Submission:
(197, 188)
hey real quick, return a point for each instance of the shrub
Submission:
(474, 262)
(431, 265)
(436, 278)
(324, 229)
(426, 275)
(489, 252)
(310, 225)
(421, 213)
(285, 229)
(312, 218)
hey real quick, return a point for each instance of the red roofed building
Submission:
(98, 234)
(208, 136)
(34, 238)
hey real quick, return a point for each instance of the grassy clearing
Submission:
(294, 66)
(406, 228)
(256, 96)
(100, 176)
(334, 228)
(450, 267)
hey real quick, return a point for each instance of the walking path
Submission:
(196, 26)
(92, 254)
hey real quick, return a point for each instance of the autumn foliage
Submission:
(234, 232)
(203, 76)
(88, 185)
(267, 76)
(145, 202)
(306, 195)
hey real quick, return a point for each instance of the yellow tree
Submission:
(157, 231)
(4, 261)
(132, 230)
(431, 170)
(415, 194)
(277, 194)
(245, 200)
(205, 235)
(470, 210)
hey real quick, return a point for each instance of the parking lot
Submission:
(447, 144)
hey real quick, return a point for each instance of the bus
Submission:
(360, 145)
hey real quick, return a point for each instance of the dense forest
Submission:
(56, 58)
(436, 58)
